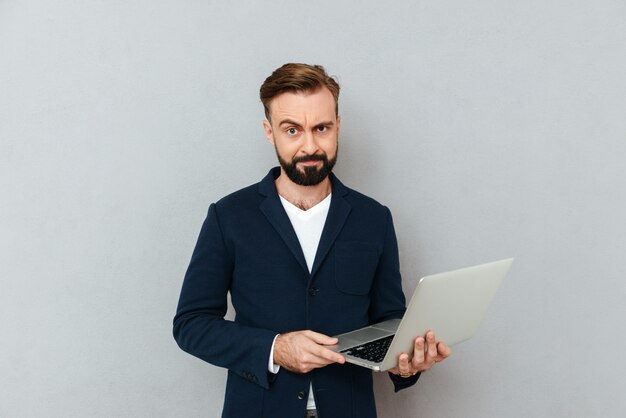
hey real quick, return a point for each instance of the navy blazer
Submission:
(248, 247)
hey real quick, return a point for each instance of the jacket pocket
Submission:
(355, 266)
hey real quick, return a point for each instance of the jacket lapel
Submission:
(337, 215)
(273, 210)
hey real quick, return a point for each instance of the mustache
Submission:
(307, 158)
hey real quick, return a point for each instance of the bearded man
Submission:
(303, 257)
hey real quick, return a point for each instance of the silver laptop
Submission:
(452, 304)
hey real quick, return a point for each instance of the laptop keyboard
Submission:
(373, 351)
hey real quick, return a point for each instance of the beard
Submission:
(311, 176)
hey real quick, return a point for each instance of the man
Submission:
(303, 257)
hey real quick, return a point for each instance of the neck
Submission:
(304, 197)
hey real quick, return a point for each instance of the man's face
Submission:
(304, 130)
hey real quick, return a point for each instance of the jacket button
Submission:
(312, 291)
(301, 395)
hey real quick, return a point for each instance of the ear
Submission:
(269, 134)
(338, 123)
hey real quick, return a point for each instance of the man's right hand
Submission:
(303, 351)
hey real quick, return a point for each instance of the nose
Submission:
(310, 145)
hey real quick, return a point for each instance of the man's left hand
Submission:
(426, 353)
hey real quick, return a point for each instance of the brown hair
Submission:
(297, 78)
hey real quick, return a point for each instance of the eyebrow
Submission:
(288, 122)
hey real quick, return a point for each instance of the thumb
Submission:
(321, 338)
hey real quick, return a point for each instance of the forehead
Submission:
(306, 106)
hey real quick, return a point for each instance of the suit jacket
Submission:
(248, 247)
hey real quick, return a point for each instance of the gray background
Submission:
(490, 128)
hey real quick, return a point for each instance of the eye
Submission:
(292, 131)
(322, 128)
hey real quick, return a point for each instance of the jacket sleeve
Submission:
(387, 299)
(199, 325)
(400, 382)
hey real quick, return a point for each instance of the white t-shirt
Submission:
(308, 225)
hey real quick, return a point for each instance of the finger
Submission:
(443, 351)
(311, 363)
(321, 338)
(315, 362)
(311, 360)
(418, 352)
(403, 364)
(327, 356)
(431, 345)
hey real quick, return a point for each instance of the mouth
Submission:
(309, 163)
